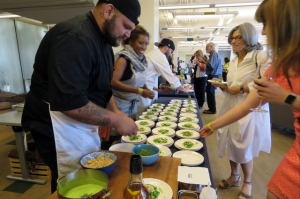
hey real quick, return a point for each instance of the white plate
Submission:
(175, 102)
(196, 147)
(174, 105)
(149, 124)
(167, 118)
(189, 119)
(216, 82)
(171, 110)
(148, 117)
(158, 104)
(150, 113)
(189, 105)
(181, 134)
(172, 125)
(164, 151)
(146, 130)
(122, 147)
(142, 139)
(195, 127)
(188, 115)
(186, 100)
(170, 132)
(151, 140)
(155, 110)
(168, 113)
(156, 107)
(189, 158)
(189, 110)
(166, 193)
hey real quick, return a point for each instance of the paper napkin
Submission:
(193, 175)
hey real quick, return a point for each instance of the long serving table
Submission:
(180, 95)
(13, 119)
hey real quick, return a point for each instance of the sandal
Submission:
(243, 194)
(233, 184)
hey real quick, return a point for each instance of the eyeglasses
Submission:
(239, 37)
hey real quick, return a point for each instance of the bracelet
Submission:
(209, 126)
(140, 91)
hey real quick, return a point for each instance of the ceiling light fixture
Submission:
(191, 6)
(238, 4)
(9, 16)
(221, 20)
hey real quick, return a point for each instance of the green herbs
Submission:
(188, 119)
(190, 106)
(168, 113)
(170, 110)
(144, 152)
(187, 134)
(150, 113)
(134, 138)
(142, 129)
(154, 110)
(163, 131)
(166, 124)
(160, 140)
(188, 126)
(188, 110)
(143, 123)
(147, 117)
(153, 191)
(166, 118)
(188, 144)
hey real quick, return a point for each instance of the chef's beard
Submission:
(110, 38)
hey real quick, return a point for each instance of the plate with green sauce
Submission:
(189, 119)
(158, 189)
(189, 110)
(144, 130)
(172, 125)
(188, 144)
(167, 118)
(160, 140)
(135, 139)
(168, 113)
(164, 131)
(148, 117)
(147, 123)
(190, 134)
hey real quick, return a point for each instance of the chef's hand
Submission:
(205, 132)
(181, 89)
(235, 90)
(125, 126)
(270, 91)
(148, 94)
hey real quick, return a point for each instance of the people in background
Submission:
(250, 135)
(70, 94)
(200, 77)
(158, 65)
(280, 85)
(225, 69)
(213, 70)
(190, 66)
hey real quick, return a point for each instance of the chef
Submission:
(70, 94)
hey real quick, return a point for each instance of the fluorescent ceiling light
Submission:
(184, 28)
(9, 16)
(237, 4)
(191, 6)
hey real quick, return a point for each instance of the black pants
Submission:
(199, 87)
(210, 94)
(224, 75)
(46, 149)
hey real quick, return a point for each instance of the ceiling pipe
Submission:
(206, 13)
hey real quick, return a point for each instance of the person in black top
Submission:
(70, 93)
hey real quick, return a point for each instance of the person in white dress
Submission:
(248, 136)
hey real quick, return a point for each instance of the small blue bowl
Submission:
(94, 155)
(147, 160)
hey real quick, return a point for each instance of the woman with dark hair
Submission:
(279, 85)
(225, 69)
(245, 138)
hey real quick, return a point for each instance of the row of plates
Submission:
(167, 118)
(190, 134)
(173, 125)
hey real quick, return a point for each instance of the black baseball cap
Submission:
(130, 8)
(166, 42)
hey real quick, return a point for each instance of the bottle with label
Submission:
(135, 188)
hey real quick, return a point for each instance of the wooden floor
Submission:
(264, 165)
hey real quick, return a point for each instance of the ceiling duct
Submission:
(47, 11)
(235, 13)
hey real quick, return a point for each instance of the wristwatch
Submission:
(289, 100)
(242, 90)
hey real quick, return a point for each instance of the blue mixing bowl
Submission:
(149, 159)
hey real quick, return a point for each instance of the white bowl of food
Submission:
(188, 125)
(189, 119)
(164, 131)
(189, 106)
(171, 110)
(188, 115)
(158, 104)
(148, 117)
(189, 110)
(160, 140)
(156, 107)
(150, 113)
(172, 125)
(187, 134)
(144, 130)
(135, 139)
(155, 110)
(167, 118)
(168, 114)
(147, 123)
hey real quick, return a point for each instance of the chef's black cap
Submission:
(130, 8)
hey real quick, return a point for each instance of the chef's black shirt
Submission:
(73, 65)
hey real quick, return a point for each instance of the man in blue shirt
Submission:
(213, 70)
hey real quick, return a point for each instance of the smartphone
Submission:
(258, 83)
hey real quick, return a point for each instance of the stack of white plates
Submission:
(164, 151)
(122, 147)
(188, 125)
(189, 119)
(164, 131)
(148, 117)
(160, 140)
(189, 158)
(136, 139)
(182, 144)
(150, 113)
(167, 118)
(172, 125)
(144, 130)
(168, 113)
(188, 115)
(188, 110)
(190, 134)
(147, 123)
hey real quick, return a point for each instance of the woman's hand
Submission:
(235, 90)
(148, 94)
(205, 132)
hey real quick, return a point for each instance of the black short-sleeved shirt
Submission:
(73, 65)
(128, 71)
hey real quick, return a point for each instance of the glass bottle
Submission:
(135, 188)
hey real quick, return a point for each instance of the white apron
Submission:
(73, 140)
